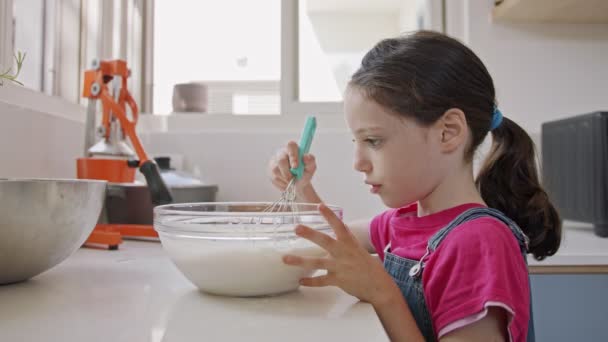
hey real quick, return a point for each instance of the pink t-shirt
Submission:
(476, 266)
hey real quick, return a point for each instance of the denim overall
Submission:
(408, 273)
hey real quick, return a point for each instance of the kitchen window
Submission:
(328, 40)
(271, 57)
(233, 47)
(257, 58)
(28, 27)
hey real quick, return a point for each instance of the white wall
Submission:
(407, 16)
(353, 32)
(237, 162)
(42, 145)
(38, 145)
(332, 45)
(542, 72)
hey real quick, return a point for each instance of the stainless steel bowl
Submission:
(43, 221)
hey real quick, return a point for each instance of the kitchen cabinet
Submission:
(562, 11)
(570, 289)
(570, 307)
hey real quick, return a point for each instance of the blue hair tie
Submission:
(496, 119)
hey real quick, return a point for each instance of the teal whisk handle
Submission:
(305, 142)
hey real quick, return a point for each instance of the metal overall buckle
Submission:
(416, 270)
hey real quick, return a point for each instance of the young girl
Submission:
(453, 247)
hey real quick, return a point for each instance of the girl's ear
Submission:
(453, 130)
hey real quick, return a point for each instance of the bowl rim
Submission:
(41, 180)
(164, 209)
(164, 216)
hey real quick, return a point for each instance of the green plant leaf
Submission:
(19, 58)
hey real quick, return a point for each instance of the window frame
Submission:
(290, 66)
(6, 34)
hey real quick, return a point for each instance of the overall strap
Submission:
(476, 213)
(471, 214)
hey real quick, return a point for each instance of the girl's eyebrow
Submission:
(369, 130)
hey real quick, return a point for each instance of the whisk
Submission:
(288, 197)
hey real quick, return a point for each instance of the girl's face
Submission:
(398, 158)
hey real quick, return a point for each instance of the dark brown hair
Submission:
(424, 74)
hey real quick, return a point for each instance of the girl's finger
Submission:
(283, 166)
(342, 232)
(310, 164)
(278, 175)
(322, 240)
(320, 281)
(292, 152)
(279, 184)
(309, 263)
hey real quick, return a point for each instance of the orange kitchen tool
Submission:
(111, 158)
(112, 170)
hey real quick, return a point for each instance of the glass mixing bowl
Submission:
(235, 249)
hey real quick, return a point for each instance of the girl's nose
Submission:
(361, 163)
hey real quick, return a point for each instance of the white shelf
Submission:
(557, 11)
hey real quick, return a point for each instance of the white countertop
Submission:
(579, 247)
(137, 294)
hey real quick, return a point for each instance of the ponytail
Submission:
(508, 181)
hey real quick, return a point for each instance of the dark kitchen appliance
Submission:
(575, 168)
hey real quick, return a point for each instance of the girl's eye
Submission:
(373, 142)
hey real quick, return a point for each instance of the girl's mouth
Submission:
(374, 189)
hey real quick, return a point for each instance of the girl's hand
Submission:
(284, 160)
(349, 266)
